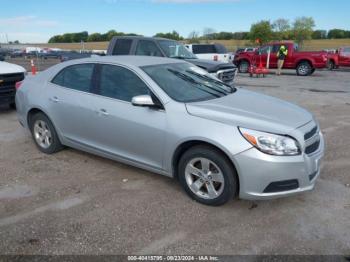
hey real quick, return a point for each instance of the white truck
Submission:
(10, 74)
(215, 52)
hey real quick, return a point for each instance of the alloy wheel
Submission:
(204, 178)
(42, 134)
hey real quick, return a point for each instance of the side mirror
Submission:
(143, 100)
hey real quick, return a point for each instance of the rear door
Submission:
(130, 132)
(273, 56)
(70, 103)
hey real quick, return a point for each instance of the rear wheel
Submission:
(207, 176)
(243, 66)
(304, 68)
(44, 134)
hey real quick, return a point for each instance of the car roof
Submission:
(128, 60)
(142, 38)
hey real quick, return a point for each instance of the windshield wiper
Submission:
(212, 80)
(209, 79)
(191, 80)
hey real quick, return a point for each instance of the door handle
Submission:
(104, 112)
(54, 99)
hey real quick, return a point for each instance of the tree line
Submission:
(302, 28)
(86, 37)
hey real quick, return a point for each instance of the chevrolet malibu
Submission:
(173, 118)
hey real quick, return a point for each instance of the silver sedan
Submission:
(175, 119)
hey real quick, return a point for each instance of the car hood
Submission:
(7, 68)
(252, 110)
(210, 66)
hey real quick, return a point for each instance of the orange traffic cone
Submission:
(33, 67)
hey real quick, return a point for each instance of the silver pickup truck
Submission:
(153, 46)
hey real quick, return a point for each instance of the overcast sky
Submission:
(36, 21)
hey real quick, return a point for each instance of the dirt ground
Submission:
(76, 203)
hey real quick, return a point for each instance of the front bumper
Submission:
(258, 170)
(8, 99)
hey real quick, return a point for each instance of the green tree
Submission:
(281, 27)
(172, 35)
(303, 29)
(261, 31)
(319, 34)
(241, 35)
(337, 33)
(78, 37)
(95, 37)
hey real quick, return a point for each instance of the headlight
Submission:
(270, 143)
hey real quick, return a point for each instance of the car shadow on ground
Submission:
(5, 109)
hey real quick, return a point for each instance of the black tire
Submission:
(304, 68)
(312, 71)
(243, 66)
(55, 144)
(330, 65)
(230, 185)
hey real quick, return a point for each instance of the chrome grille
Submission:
(7, 84)
(227, 75)
(312, 140)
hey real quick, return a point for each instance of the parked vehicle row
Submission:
(171, 117)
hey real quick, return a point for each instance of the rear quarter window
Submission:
(76, 77)
(122, 47)
(203, 49)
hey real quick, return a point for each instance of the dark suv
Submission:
(153, 46)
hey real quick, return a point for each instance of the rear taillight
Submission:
(18, 85)
(215, 58)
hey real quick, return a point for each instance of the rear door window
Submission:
(275, 48)
(264, 49)
(77, 77)
(147, 48)
(122, 47)
(203, 49)
(120, 83)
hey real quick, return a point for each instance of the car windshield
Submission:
(185, 83)
(175, 49)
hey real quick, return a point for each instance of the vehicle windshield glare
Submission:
(185, 83)
(174, 49)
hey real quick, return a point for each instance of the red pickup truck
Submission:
(305, 63)
(340, 58)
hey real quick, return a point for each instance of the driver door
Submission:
(129, 132)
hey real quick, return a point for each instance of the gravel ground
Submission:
(76, 203)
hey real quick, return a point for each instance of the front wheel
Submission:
(44, 134)
(207, 176)
(304, 69)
